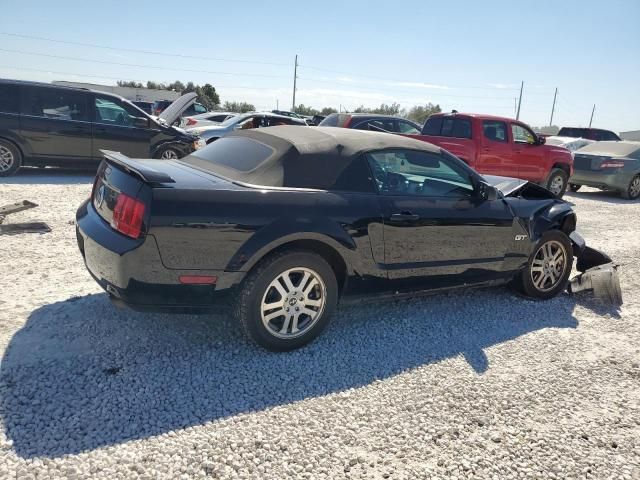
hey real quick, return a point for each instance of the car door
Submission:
(437, 229)
(55, 124)
(527, 154)
(120, 127)
(495, 156)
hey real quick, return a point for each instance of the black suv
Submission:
(43, 124)
(368, 121)
(597, 134)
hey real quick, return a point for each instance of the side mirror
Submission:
(141, 122)
(487, 192)
(540, 140)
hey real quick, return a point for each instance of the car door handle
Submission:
(404, 216)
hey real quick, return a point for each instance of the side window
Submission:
(9, 99)
(407, 127)
(456, 127)
(606, 135)
(433, 126)
(419, 173)
(377, 125)
(522, 135)
(495, 131)
(59, 104)
(108, 112)
(199, 108)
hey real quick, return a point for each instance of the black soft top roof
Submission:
(303, 157)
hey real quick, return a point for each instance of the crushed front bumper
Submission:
(598, 273)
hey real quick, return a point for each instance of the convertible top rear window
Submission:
(238, 153)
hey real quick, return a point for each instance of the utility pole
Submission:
(515, 105)
(553, 107)
(277, 104)
(295, 77)
(520, 101)
(592, 112)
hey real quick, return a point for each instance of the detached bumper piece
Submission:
(16, 228)
(599, 274)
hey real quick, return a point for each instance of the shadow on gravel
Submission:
(82, 375)
(50, 176)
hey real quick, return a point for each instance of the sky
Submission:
(465, 55)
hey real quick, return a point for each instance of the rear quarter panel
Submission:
(233, 229)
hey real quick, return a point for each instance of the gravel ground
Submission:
(481, 384)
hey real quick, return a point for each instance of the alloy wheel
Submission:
(634, 187)
(556, 185)
(169, 155)
(6, 159)
(548, 266)
(293, 302)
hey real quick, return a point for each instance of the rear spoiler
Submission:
(137, 168)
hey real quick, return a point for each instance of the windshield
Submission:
(234, 120)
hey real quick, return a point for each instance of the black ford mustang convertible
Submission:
(285, 221)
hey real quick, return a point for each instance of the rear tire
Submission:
(574, 187)
(633, 190)
(548, 268)
(10, 159)
(558, 181)
(280, 314)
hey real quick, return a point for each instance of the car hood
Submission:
(506, 185)
(173, 111)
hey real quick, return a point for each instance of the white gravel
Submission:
(482, 384)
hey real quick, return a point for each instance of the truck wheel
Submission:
(288, 300)
(574, 187)
(10, 159)
(631, 193)
(557, 183)
(549, 266)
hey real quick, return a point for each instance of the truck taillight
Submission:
(191, 121)
(127, 215)
(612, 164)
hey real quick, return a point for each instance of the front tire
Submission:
(10, 159)
(557, 183)
(288, 300)
(633, 190)
(549, 266)
(168, 153)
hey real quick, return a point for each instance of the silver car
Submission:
(243, 122)
(609, 166)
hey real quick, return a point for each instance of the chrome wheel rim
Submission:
(556, 184)
(549, 265)
(634, 188)
(169, 155)
(293, 303)
(6, 159)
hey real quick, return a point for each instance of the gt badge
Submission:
(521, 237)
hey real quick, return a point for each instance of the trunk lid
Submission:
(583, 161)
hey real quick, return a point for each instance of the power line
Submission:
(430, 93)
(105, 62)
(148, 52)
(103, 77)
(387, 79)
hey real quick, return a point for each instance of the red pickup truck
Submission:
(500, 146)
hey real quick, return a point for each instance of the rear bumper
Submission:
(131, 270)
(598, 179)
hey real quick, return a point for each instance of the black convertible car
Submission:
(291, 219)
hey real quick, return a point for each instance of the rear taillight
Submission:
(191, 121)
(127, 215)
(612, 164)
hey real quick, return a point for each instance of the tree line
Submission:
(208, 96)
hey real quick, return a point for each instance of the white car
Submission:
(570, 143)
(205, 119)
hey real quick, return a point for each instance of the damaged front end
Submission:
(598, 273)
